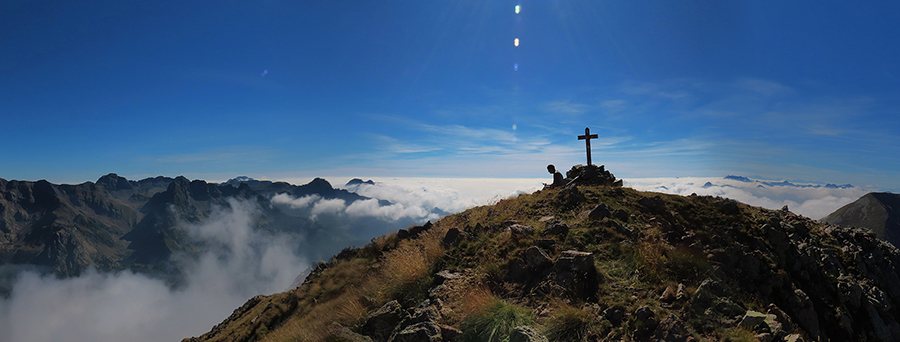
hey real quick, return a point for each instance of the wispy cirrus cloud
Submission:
(566, 108)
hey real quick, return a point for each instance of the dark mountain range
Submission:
(594, 263)
(116, 223)
(876, 211)
(317, 186)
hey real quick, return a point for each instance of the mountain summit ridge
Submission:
(665, 268)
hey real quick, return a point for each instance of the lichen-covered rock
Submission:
(519, 231)
(752, 319)
(419, 332)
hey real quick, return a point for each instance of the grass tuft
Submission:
(570, 324)
(495, 323)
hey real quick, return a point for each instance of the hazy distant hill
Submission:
(876, 211)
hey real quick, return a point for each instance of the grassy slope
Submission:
(633, 270)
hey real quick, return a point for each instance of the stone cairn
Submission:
(591, 175)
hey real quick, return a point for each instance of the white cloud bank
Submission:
(450, 195)
(126, 306)
(810, 200)
(413, 199)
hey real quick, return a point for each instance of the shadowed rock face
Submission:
(877, 211)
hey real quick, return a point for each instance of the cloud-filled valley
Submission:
(241, 262)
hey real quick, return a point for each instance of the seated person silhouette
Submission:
(558, 180)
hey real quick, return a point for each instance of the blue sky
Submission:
(280, 89)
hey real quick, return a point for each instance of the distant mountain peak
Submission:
(794, 184)
(114, 182)
(878, 212)
(357, 181)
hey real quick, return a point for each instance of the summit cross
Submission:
(587, 142)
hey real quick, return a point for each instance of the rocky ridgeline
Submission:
(634, 266)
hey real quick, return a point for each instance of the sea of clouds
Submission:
(812, 200)
(243, 262)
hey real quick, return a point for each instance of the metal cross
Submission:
(587, 141)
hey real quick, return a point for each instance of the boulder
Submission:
(653, 205)
(680, 293)
(556, 229)
(646, 316)
(668, 295)
(547, 244)
(793, 338)
(536, 260)
(526, 334)
(414, 231)
(614, 314)
(419, 332)
(708, 291)
(342, 333)
(599, 212)
(383, 321)
(575, 272)
(752, 319)
(444, 276)
(452, 238)
(765, 337)
(568, 198)
(519, 231)
(425, 312)
(621, 215)
(671, 329)
(804, 313)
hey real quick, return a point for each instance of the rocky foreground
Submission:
(594, 263)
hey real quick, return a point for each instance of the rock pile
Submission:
(591, 175)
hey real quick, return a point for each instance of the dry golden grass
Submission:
(346, 292)
(465, 301)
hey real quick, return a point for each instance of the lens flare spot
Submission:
(516, 42)
(518, 8)
(264, 73)
(514, 127)
(516, 67)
